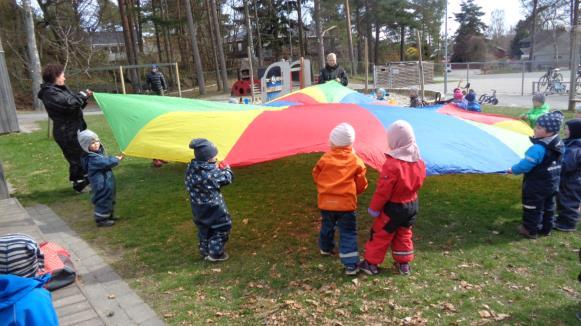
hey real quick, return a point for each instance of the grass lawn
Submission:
(471, 266)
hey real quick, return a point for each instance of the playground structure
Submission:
(280, 78)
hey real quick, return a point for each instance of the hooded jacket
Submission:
(340, 177)
(62, 105)
(332, 73)
(24, 301)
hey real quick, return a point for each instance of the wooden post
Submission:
(178, 79)
(366, 66)
(249, 49)
(4, 194)
(301, 74)
(122, 79)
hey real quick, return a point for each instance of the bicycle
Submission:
(556, 87)
(488, 99)
(550, 76)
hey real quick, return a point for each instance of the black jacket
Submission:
(155, 81)
(62, 105)
(331, 73)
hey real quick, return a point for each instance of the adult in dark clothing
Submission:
(155, 81)
(332, 71)
(65, 109)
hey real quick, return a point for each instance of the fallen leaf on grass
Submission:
(245, 221)
(500, 317)
(190, 313)
(169, 315)
(449, 307)
(484, 314)
(568, 290)
(355, 281)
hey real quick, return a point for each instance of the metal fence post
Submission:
(468, 73)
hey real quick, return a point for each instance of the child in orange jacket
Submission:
(395, 201)
(340, 177)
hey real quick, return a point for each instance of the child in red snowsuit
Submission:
(395, 201)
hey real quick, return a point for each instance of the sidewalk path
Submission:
(99, 296)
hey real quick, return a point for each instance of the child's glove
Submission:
(372, 212)
(223, 165)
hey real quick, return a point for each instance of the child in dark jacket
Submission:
(542, 169)
(472, 104)
(99, 167)
(204, 178)
(570, 189)
(395, 202)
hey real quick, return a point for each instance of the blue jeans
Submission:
(347, 224)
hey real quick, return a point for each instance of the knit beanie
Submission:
(204, 150)
(342, 135)
(551, 121)
(86, 138)
(574, 128)
(539, 97)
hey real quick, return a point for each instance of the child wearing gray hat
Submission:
(542, 172)
(99, 167)
(204, 178)
(539, 108)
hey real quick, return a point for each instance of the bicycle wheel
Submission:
(482, 98)
(494, 101)
(542, 84)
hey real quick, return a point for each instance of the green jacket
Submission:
(533, 115)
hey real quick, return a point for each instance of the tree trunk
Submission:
(220, 47)
(350, 38)
(138, 25)
(197, 60)
(167, 39)
(533, 27)
(213, 39)
(8, 118)
(248, 28)
(319, 32)
(34, 60)
(573, 54)
(358, 29)
(128, 40)
(258, 37)
(402, 43)
(300, 21)
(376, 43)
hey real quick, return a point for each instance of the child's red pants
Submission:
(402, 246)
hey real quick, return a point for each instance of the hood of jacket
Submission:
(553, 143)
(13, 288)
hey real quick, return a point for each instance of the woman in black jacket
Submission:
(332, 71)
(65, 109)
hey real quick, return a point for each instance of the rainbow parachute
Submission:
(450, 140)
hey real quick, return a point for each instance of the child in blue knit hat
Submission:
(204, 178)
(542, 170)
(472, 105)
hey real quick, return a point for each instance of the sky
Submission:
(513, 12)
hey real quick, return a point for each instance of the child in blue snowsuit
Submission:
(204, 178)
(99, 167)
(570, 189)
(472, 104)
(542, 169)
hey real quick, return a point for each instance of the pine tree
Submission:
(470, 32)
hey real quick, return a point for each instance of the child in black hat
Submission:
(542, 170)
(570, 189)
(204, 178)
